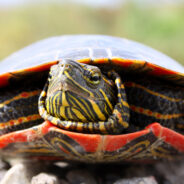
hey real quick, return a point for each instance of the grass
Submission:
(159, 27)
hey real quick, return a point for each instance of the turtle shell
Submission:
(46, 140)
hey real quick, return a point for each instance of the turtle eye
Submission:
(95, 77)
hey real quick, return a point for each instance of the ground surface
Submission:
(64, 173)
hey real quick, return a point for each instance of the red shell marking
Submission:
(92, 147)
(39, 68)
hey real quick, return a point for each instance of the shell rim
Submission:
(156, 70)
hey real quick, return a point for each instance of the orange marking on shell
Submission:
(36, 116)
(115, 142)
(155, 114)
(27, 135)
(2, 125)
(158, 115)
(133, 107)
(28, 118)
(19, 121)
(158, 70)
(122, 62)
(152, 92)
(141, 110)
(24, 95)
(138, 150)
(150, 112)
(101, 60)
(64, 150)
(11, 123)
(84, 60)
(169, 136)
(89, 142)
(20, 96)
(4, 78)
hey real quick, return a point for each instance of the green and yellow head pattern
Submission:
(79, 97)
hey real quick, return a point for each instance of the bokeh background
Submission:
(157, 23)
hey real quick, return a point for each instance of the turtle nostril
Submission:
(67, 66)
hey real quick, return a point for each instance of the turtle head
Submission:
(79, 92)
(81, 98)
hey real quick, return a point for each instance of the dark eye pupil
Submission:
(95, 78)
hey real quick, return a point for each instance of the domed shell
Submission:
(85, 46)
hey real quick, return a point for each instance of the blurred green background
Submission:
(159, 25)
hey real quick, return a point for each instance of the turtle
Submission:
(91, 98)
